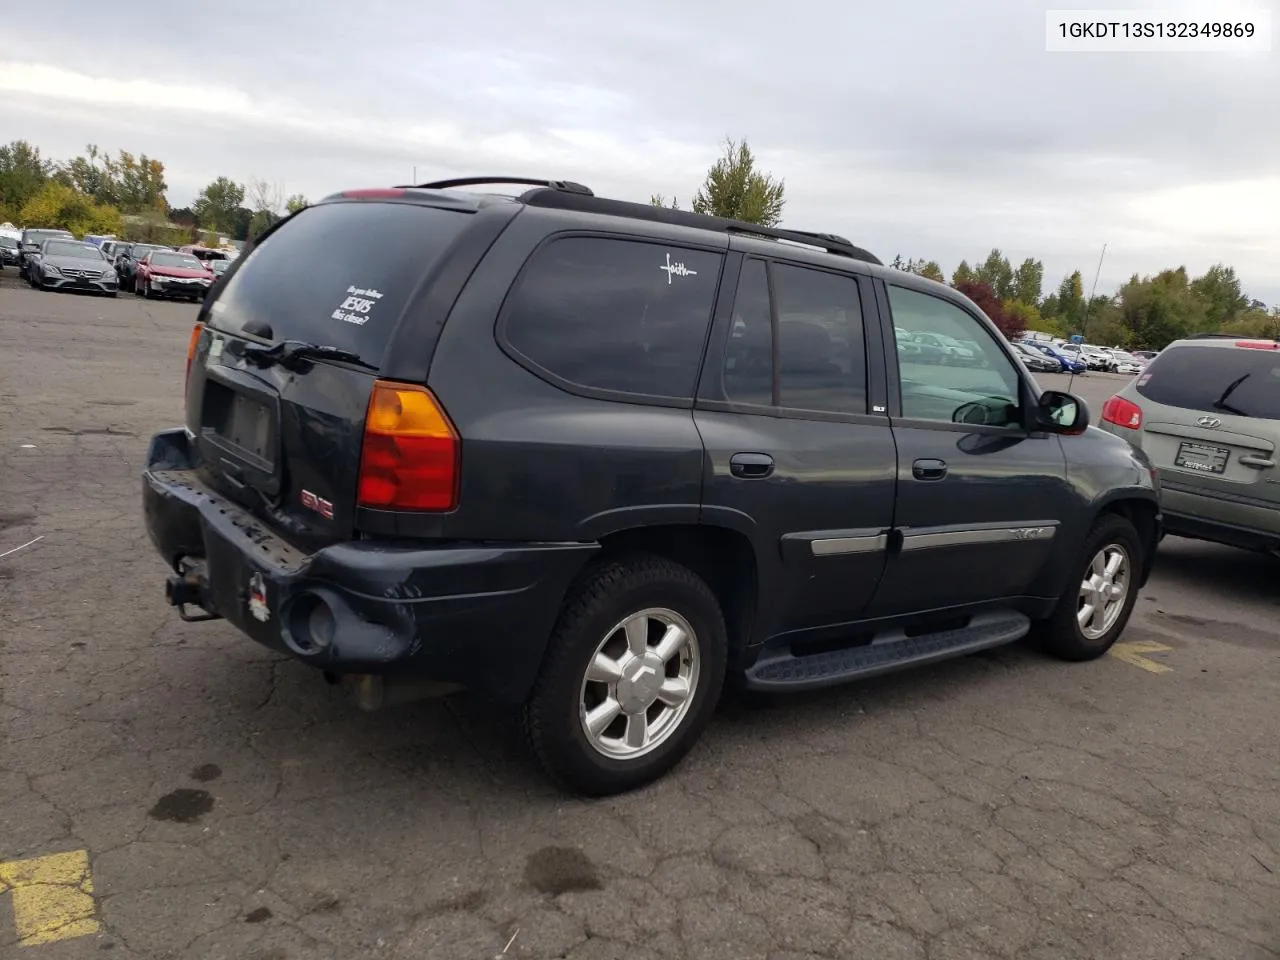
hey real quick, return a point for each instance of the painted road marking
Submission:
(1132, 653)
(52, 897)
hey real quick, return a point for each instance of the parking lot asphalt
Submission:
(170, 790)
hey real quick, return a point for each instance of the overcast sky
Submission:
(938, 129)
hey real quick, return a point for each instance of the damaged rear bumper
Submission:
(477, 615)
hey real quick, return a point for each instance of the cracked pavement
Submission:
(235, 806)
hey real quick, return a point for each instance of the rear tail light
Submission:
(409, 457)
(191, 347)
(1122, 412)
(1259, 344)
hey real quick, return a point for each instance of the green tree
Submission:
(296, 202)
(963, 274)
(735, 189)
(1219, 289)
(921, 268)
(1028, 281)
(997, 273)
(23, 171)
(1069, 302)
(657, 200)
(1158, 309)
(58, 205)
(931, 271)
(218, 204)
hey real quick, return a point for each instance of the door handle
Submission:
(751, 466)
(1261, 463)
(929, 469)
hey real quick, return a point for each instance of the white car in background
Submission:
(1126, 363)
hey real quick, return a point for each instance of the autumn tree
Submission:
(217, 204)
(133, 184)
(735, 189)
(58, 205)
(985, 297)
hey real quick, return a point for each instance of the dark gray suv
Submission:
(594, 458)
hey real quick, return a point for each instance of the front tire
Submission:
(631, 676)
(1099, 599)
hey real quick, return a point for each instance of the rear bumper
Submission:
(1216, 531)
(478, 615)
(1234, 520)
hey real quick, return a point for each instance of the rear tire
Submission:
(1096, 605)
(631, 676)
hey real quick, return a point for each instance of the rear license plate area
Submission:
(1202, 457)
(242, 422)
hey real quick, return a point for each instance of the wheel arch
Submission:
(1143, 511)
(721, 556)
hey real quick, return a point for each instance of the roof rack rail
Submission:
(589, 203)
(1215, 336)
(566, 186)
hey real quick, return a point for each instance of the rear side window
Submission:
(821, 361)
(338, 274)
(623, 316)
(1232, 380)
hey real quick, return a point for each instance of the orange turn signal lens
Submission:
(409, 457)
(191, 346)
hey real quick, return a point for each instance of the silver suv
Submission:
(1206, 411)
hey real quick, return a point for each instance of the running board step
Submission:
(890, 651)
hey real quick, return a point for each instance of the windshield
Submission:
(178, 260)
(220, 266)
(1232, 380)
(1121, 355)
(40, 236)
(71, 248)
(140, 250)
(8, 242)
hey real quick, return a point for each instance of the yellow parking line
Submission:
(52, 897)
(1132, 653)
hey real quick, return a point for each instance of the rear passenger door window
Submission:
(613, 315)
(822, 362)
(796, 341)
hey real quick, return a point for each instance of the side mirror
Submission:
(1059, 412)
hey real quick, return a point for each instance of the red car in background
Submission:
(165, 273)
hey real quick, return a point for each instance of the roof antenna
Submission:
(1084, 323)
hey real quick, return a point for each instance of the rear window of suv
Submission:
(338, 274)
(1232, 380)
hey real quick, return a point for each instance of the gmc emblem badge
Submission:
(319, 504)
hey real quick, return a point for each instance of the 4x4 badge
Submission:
(1209, 422)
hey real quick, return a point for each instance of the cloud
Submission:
(931, 129)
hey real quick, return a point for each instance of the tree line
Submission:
(1147, 312)
(127, 195)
